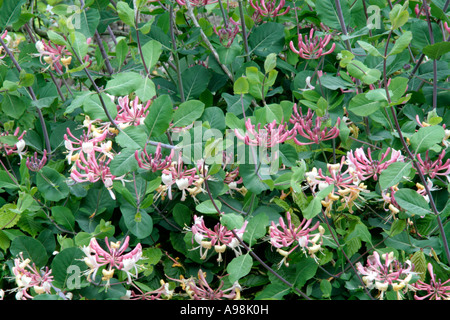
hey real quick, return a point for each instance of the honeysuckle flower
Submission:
(269, 8)
(312, 129)
(115, 258)
(162, 293)
(268, 137)
(283, 236)
(199, 289)
(435, 289)
(433, 168)
(153, 162)
(3, 36)
(219, 238)
(27, 276)
(379, 275)
(365, 167)
(389, 200)
(312, 47)
(34, 164)
(92, 169)
(177, 174)
(87, 143)
(54, 55)
(423, 192)
(227, 33)
(18, 147)
(131, 112)
(197, 3)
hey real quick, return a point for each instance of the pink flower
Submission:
(312, 130)
(28, 276)
(228, 33)
(92, 169)
(196, 3)
(269, 136)
(379, 275)
(54, 55)
(219, 238)
(282, 236)
(178, 174)
(312, 48)
(92, 141)
(162, 293)
(112, 259)
(3, 36)
(131, 112)
(34, 164)
(434, 168)
(435, 290)
(199, 289)
(18, 147)
(153, 162)
(269, 8)
(365, 167)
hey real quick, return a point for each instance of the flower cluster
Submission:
(346, 182)
(18, 147)
(34, 163)
(228, 33)
(219, 238)
(312, 129)
(434, 168)
(199, 289)
(153, 162)
(131, 112)
(435, 290)
(312, 47)
(365, 167)
(56, 56)
(28, 276)
(283, 236)
(269, 8)
(381, 275)
(267, 137)
(113, 259)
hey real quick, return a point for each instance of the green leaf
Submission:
(31, 248)
(437, 50)
(241, 86)
(256, 228)
(124, 83)
(401, 43)
(426, 137)
(369, 48)
(270, 63)
(397, 227)
(315, 206)
(420, 264)
(139, 223)
(232, 221)
(394, 174)
(10, 11)
(9, 216)
(412, 202)
(146, 90)
(151, 52)
(124, 162)
(328, 13)
(195, 81)
(239, 267)
(93, 107)
(187, 113)
(399, 15)
(181, 214)
(266, 39)
(126, 14)
(67, 268)
(64, 217)
(160, 116)
(207, 207)
(51, 184)
(398, 87)
(13, 106)
(79, 44)
(133, 137)
(362, 106)
(89, 21)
